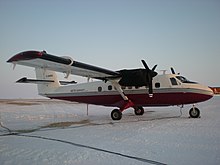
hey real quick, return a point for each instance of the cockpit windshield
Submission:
(184, 80)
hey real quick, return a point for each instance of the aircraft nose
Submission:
(210, 92)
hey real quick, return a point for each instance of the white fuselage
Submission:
(168, 89)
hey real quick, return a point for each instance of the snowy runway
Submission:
(56, 132)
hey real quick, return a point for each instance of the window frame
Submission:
(173, 81)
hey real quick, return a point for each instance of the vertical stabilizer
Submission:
(44, 74)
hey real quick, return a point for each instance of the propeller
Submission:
(172, 71)
(150, 74)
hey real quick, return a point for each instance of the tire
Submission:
(194, 112)
(139, 110)
(116, 114)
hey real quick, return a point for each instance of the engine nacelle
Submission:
(134, 77)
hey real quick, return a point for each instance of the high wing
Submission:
(66, 65)
(131, 77)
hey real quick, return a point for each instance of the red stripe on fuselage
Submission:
(158, 99)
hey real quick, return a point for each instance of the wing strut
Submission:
(118, 87)
(125, 103)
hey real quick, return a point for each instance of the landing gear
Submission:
(139, 110)
(116, 114)
(194, 112)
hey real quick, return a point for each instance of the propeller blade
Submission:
(145, 65)
(150, 90)
(154, 67)
(150, 74)
(172, 70)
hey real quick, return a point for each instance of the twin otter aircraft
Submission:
(136, 88)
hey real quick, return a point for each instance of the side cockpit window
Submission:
(184, 80)
(173, 81)
(157, 85)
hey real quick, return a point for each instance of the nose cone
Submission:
(207, 93)
(201, 93)
(210, 92)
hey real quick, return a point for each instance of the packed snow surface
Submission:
(58, 132)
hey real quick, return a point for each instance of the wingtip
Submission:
(27, 55)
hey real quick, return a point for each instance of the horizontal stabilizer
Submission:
(35, 81)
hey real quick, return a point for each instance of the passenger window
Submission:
(109, 87)
(157, 85)
(99, 89)
(173, 81)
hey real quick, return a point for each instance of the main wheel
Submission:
(139, 110)
(194, 112)
(116, 114)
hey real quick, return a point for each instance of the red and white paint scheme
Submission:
(136, 88)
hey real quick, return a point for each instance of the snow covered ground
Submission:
(58, 132)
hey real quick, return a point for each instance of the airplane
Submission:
(126, 88)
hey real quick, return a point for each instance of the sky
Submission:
(114, 34)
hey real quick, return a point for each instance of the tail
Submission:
(49, 82)
(46, 80)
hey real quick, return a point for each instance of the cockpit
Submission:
(182, 79)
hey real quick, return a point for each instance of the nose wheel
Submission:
(194, 112)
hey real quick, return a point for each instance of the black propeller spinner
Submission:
(150, 74)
